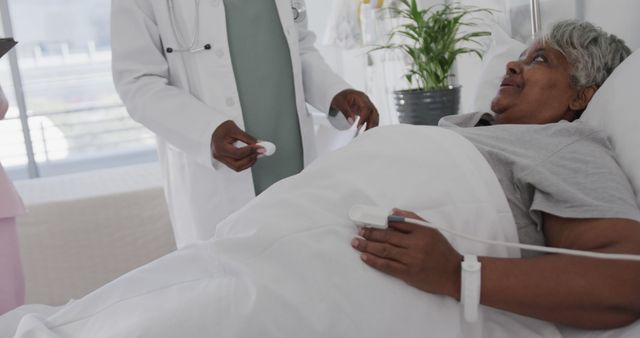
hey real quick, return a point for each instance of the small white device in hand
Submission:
(269, 147)
(363, 215)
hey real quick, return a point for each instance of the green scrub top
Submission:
(264, 75)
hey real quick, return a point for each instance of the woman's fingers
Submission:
(383, 257)
(426, 263)
(390, 236)
(387, 266)
(382, 250)
(405, 227)
(405, 213)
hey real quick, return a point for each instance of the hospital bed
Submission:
(621, 128)
(261, 276)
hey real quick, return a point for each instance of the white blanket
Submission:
(283, 265)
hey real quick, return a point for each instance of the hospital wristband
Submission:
(470, 286)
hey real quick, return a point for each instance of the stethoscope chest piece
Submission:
(299, 11)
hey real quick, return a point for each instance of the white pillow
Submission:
(502, 50)
(614, 109)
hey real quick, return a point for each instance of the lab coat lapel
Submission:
(291, 33)
(284, 11)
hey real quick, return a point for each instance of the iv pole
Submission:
(536, 25)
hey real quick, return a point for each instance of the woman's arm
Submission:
(580, 292)
(575, 291)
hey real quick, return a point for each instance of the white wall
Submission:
(620, 17)
(318, 14)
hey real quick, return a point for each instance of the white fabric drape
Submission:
(343, 29)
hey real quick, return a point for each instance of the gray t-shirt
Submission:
(565, 169)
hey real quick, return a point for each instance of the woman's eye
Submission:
(539, 59)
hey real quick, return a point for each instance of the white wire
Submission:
(590, 254)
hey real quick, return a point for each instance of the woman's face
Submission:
(536, 89)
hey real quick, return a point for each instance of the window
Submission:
(66, 116)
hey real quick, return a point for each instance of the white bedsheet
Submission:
(283, 266)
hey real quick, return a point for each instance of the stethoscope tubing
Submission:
(298, 15)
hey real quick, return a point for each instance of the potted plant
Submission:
(432, 39)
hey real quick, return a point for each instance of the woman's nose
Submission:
(514, 67)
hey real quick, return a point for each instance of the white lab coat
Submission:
(184, 97)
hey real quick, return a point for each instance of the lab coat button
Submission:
(230, 102)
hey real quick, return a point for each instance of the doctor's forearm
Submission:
(585, 293)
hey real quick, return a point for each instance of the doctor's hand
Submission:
(353, 103)
(224, 150)
(420, 256)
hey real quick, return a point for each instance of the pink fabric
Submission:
(11, 276)
(10, 202)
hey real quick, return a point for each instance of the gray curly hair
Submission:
(592, 53)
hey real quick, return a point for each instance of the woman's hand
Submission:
(420, 256)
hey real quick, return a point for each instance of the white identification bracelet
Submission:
(470, 287)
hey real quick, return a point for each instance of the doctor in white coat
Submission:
(205, 74)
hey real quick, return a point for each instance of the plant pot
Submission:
(426, 107)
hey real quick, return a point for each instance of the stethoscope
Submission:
(297, 7)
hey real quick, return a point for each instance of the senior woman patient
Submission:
(563, 186)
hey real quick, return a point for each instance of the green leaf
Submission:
(431, 38)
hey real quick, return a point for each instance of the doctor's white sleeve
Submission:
(141, 73)
(320, 82)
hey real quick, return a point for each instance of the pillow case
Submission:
(614, 109)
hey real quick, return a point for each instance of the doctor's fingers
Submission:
(367, 112)
(346, 109)
(240, 135)
(373, 120)
(240, 165)
(231, 151)
(390, 236)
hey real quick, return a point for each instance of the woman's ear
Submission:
(583, 97)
